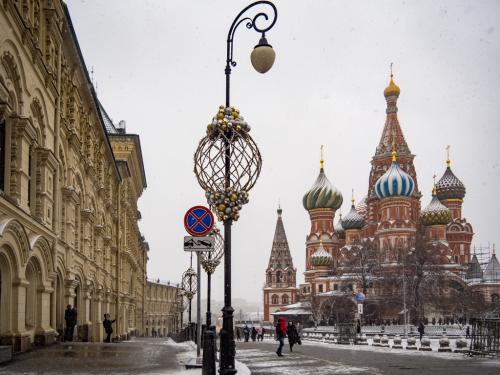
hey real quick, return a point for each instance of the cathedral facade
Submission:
(386, 229)
(69, 185)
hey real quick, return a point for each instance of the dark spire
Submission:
(280, 252)
(474, 270)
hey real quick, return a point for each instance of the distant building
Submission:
(163, 313)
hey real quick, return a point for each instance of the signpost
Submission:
(198, 244)
(198, 221)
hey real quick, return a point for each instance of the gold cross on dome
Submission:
(448, 161)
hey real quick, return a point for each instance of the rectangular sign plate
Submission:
(360, 308)
(198, 243)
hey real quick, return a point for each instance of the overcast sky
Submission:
(159, 65)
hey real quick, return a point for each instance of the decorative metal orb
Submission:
(210, 260)
(189, 283)
(227, 163)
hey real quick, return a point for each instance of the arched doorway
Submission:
(5, 294)
(33, 313)
(60, 307)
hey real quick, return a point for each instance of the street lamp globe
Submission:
(262, 56)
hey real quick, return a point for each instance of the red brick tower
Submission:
(280, 287)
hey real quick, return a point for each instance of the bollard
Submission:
(384, 341)
(376, 340)
(209, 352)
(444, 345)
(397, 342)
(461, 345)
(362, 340)
(411, 343)
(425, 344)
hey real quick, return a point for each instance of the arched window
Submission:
(279, 277)
(274, 299)
(284, 299)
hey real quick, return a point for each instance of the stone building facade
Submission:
(69, 184)
(163, 313)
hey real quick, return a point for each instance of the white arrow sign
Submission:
(198, 243)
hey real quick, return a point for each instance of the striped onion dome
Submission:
(449, 186)
(435, 213)
(362, 207)
(338, 229)
(353, 220)
(322, 194)
(321, 257)
(394, 182)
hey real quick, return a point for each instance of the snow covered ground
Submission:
(189, 352)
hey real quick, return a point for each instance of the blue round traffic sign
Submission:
(360, 297)
(198, 221)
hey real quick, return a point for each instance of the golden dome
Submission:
(392, 89)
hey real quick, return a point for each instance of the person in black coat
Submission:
(246, 333)
(70, 316)
(254, 333)
(421, 330)
(108, 327)
(293, 336)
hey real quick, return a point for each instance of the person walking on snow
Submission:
(421, 329)
(108, 327)
(280, 335)
(254, 334)
(293, 336)
(246, 333)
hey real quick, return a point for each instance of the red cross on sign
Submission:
(198, 221)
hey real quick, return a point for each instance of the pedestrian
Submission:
(293, 336)
(280, 335)
(467, 332)
(254, 334)
(421, 329)
(262, 333)
(108, 327)
(68, 318)
(238, 334)
(246, 333)
(259, 334)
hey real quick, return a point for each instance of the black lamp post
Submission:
(228, 162)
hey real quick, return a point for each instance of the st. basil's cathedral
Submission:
(387, 220)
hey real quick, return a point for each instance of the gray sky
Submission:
(160, 66)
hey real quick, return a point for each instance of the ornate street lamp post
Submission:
(190, 286)
(209, 261)
(228, 162)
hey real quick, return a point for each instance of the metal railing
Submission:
(485, 337)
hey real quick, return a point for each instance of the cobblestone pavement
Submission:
(139, 356)
(323, 359)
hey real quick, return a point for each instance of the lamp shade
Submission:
(263, 56)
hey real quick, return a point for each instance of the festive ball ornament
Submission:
(227, 163)
(210, 260)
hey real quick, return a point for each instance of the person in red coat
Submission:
(280, 334)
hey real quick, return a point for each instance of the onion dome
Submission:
(338, 229)
(394, 182)
(435, 213)
(392, 89)
(353, 220)
(321, 257)
(362, 207)
(322, 194)
(449, 186)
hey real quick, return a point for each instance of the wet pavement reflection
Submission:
(138, 356)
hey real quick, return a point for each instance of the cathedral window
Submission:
(284, 300)
(274, 299)
(279, 277)
(320, 288)
(335, 286)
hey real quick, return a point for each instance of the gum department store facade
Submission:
(389, 217)
(69, 184)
